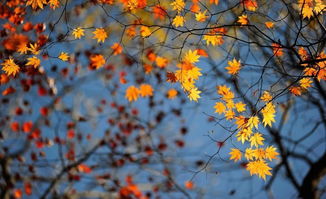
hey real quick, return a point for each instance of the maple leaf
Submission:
(78, 32)
(226, 93)
(145, 90)
(170, 77)
(100, 35)
(303, 53)
(250, 4)
(268, 113)
(159, 12)
(63, 56)
(117, 48)
(194, 73)
(235, 154)
(213, 2)
(148, 68)
(161, 62)
(230, 103)
(266, 97)
(33, 61)
(195, 8)
(22, 48)
(219, 107)
(178, 5)
(213, 39)
(10, 67)
(34, 49)
(244, 135)
(277, 50)
(201, 16)
(305, 83)
(191, 57)
(307, 12)
(202, 52)
(260, 168)
(233, 67)
(36, 3)
(229, 114)
(319, 6)
(54, 4)
(194, 94)
(243, 20)
(256, 139)
(249, 154)
(132, 93)
(240, 106)
(97, 61)
(240, 121)
(145, 31)
(270, 153)
(172, 93)
(295, 90)
(253, 122)
(269, 24)
(178, 21)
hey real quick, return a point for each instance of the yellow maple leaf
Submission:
(22, 48)
(191, 56)
(10, 67)
(63, 56)
(201, 16)
(34, 49)
(307, 11)
(240, 106)
(233, 66)
(268, 113)
(235, 154)
(244, 135)
(256, 139)
(145, 31)
(240, 121)
(33, 61)
(78, 32)
(100, 35)
(253, 122)
(249, 154)
(230, 103)
(54, 4)
(132, 93)
(213, 39)
(36, 3)
(319, 6)
(178, 5)
(161, 62)
(178, 21)
(270, 153)
(305, 83)
(219, 107)
(194, 73)
(146, 90)
(260, 168)
(243, 20)
(266, 97)
(194, 94)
